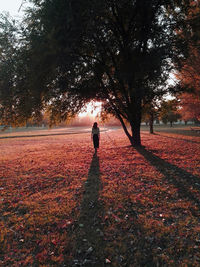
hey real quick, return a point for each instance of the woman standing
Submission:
(95, 136)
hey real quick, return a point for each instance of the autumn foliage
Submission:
(190, 107)
(189, 72)
(60, 204)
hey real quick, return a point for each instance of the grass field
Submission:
(61, 205)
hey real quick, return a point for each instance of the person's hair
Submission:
(95, 125)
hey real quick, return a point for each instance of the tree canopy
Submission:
(169, 111)
(117, 52)
(188, 61)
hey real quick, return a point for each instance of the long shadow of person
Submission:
(89, 236)
(181, 179)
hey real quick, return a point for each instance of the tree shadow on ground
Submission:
(181, 179)
(89, 232)
(171, 130)
(179, 139)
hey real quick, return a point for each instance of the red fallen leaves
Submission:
(57, 259)
(42, 183)
(64, 224)
(29, 260)
(42, 256)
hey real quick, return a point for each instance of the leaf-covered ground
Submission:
(62, 205)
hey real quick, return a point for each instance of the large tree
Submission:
(114, 51)
(7, 67)
(189, 107)
(188, 60)
(149, 114)
(169, 111)
(18, 100)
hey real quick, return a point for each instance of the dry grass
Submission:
(61, 205)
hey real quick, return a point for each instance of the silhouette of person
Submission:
(95, 135)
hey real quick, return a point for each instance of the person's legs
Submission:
(96, 142)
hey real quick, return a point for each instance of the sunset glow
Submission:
(93, 109)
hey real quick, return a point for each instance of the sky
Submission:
(11, 6)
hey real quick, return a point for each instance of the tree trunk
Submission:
(151, 124)
(135, 123)
(125, 130)
(135, 138)
(135, 127)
